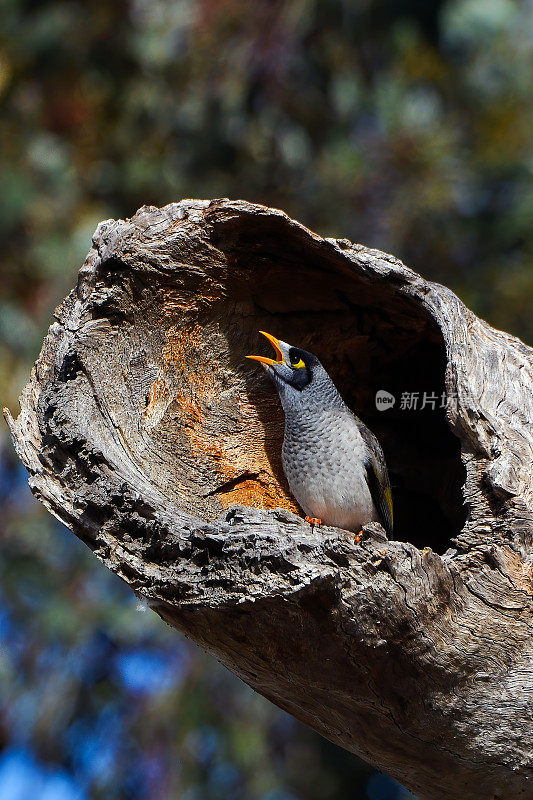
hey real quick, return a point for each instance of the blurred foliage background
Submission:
(402, 124)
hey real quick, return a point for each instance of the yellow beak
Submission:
(275, 344)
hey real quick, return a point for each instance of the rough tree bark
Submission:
(147, 433)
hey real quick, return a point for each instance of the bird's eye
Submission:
(296, 360)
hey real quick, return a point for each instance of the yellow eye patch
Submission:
(299, 363)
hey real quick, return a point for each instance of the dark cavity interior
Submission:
(370, 339)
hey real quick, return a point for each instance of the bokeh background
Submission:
(402, 124)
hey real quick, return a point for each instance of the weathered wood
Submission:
(145, 431)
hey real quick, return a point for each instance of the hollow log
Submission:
(147, 433)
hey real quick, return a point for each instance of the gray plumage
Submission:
(333, 462)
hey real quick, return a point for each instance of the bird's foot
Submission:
(313, 521)
(358, 536)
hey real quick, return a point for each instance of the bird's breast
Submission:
(324, 462)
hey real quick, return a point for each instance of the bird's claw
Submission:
(313, 521)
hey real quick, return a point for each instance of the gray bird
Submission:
(333, 462)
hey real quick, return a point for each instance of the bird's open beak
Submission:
(275, 344)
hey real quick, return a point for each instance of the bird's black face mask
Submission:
(299, 377)
(292, 366)
(301, 368)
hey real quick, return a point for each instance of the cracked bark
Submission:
(145, 431)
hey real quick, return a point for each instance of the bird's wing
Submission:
(377, 477)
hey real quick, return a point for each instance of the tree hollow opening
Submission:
(376, 343)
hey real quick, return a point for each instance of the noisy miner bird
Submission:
(333, 462)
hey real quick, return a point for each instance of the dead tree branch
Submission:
(145, 431)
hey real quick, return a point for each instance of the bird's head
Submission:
(297, 374)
